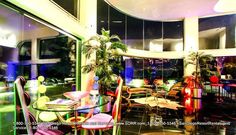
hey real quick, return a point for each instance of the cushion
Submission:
(99, 121)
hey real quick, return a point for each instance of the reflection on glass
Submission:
(52, 47)
(35, 41)
(117, 23)
(69, 5)
(134, 33)
(227, 66)
(149, 70)
(173, 45)
(20, 54)
(24, 70)
(135, 43)
(141, 34)
(153, 36)
(173, 36)
(25, 50)
(154, 45)
(217, 32)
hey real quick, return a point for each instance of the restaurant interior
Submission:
(108, 67)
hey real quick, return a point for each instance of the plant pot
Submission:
(197, 93)
(105, 103)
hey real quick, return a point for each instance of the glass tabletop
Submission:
(47, 104)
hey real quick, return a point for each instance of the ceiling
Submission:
(172, 10)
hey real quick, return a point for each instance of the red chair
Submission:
(24, 116)
(103, 121)
(232, 90)
(215, 83)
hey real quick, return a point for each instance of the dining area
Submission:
(76, 112)
(125, 109)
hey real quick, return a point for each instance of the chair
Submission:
(28, 122)
(125, 96)
(215, 83)
(41, 115)
(104, 121)
(77, 95)
(232, 90)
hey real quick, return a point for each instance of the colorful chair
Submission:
(23, 115)
(77, 95)
(103, 121)
(232, 90)
(42, 99)
(215, 83)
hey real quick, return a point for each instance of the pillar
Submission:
(34, 57)
(222, 40)
(88, 18)
(190, 41)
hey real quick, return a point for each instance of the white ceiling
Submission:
(169, 10)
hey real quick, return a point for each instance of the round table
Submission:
(59, 109)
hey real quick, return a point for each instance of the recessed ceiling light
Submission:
(117, 21)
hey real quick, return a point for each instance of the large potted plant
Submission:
(198, 60)
(107, 48)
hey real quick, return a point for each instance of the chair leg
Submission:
(100, 132)
(92, 132)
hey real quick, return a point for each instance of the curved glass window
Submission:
(217, 32)
(151, 69)
(25, 50)
(141, 34)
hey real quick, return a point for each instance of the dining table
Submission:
(74, 102)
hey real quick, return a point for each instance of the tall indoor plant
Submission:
(198, 60)
(107, 48)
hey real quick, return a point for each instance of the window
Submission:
(217, 32)
(52, 47)
(54, 71)
(24, 70)
(70, 6)
(150, 69)
(25, 50)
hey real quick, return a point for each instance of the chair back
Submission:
(22, 99)
(116, 110)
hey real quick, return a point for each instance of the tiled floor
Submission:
(137, 121)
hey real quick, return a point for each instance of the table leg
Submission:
(75, 113)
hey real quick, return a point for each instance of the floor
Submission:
(137, 121)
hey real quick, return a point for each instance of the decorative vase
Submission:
(197, 93)
(105, 103)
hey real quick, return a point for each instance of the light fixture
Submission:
(225, 6)
(7, 38)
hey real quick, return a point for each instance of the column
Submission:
(88, 18)
(190, 41)
(222, 40)
(34, 57)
